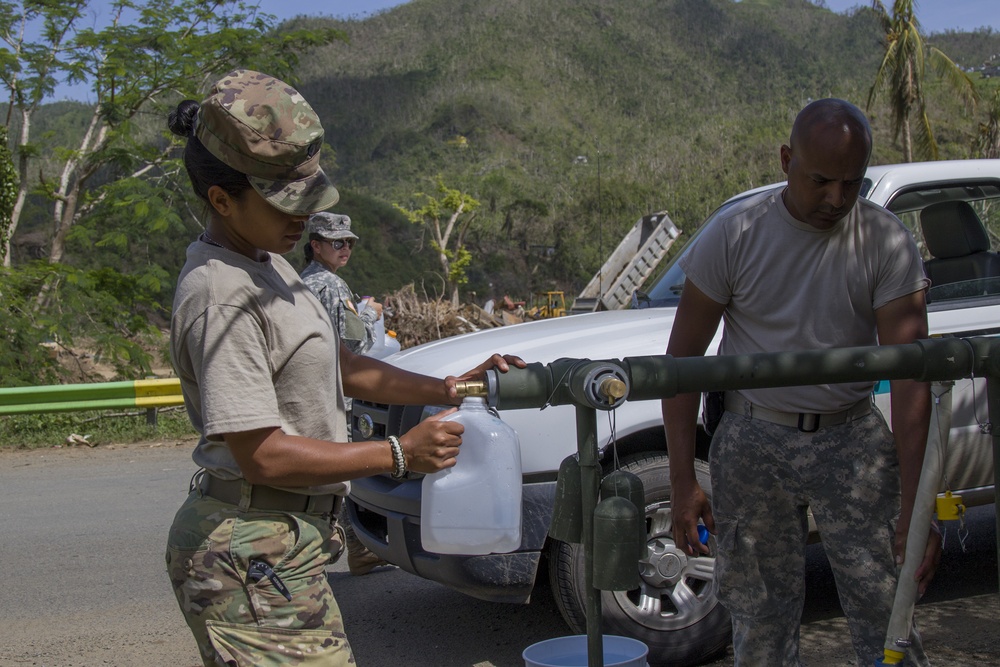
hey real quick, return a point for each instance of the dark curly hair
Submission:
(203, 168)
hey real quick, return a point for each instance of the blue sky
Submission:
(934, 16)
(941, 15)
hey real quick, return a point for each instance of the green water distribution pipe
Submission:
(93, 396)
(603, 385)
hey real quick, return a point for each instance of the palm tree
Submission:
(901, 77)
(987, 144)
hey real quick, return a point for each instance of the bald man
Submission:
(808, 265)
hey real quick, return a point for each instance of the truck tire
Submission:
(674, 612)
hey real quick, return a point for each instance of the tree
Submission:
(102, 307)
(152, 54)
(8, 190)
(987, 143)
(447, 217)
(901, 76)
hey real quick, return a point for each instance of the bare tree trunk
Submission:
(64, 212)
(442, 239)
(911, 99)
(22, 185)
(65, 221)
(907, 141)
(446, 268)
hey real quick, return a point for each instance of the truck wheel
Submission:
(674, 611)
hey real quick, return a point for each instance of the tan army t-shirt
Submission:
(789, 286)
(253, 348)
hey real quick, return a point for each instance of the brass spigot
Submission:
(471, 388)
(613, 388)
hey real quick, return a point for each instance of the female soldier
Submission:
(329, 248)
(331, 242)
(264, 378)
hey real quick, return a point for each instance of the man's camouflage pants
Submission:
(764, 478)
(233, 573)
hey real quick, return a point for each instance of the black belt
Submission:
(804, 421)
(266, 498)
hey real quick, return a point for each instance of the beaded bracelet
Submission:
(398, 460)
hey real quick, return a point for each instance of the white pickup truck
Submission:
(953, 209)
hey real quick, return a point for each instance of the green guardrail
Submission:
(146, 394)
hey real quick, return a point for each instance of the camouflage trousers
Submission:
(252, 585)
(764, 478)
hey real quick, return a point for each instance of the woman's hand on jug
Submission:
(432, 444)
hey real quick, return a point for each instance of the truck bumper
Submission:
(391, 530)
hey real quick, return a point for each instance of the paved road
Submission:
(82, 581)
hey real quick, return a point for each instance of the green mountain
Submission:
(570, 119)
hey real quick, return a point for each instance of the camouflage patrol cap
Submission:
(330, 226)
(264, 128)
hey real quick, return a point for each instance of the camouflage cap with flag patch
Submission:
(330, 226)
(264, 128)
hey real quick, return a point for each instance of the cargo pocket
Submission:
(739, 591)
(337, 544)
(204, 582)
(284, 557)
(254, 646)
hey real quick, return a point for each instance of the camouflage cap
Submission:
(330, 226)
(264, 128)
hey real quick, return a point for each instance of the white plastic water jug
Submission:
(474, 508)
(377, 349)
(385, 342)
(392, 345)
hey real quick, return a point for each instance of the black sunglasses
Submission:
(338, 244)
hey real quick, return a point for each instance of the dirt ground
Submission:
(80, 363)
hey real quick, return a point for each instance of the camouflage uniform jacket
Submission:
(357, 332)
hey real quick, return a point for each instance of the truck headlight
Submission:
(366, 426)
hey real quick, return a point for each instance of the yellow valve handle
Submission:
(892, 657)
(949, 507)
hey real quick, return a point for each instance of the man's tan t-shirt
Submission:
(253, 348)
(789, 286)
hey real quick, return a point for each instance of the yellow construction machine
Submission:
(547, 304)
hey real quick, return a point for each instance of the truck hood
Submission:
(605, 335)
(611, 334)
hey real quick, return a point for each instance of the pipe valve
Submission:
(613, 389)
(605, 386)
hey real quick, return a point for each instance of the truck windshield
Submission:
(666, 290)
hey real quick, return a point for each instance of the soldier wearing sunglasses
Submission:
(329, 248)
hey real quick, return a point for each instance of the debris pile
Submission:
(417, 319)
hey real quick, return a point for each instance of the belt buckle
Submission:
(814, 420)
(313, 505)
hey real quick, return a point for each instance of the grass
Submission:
(100, 428)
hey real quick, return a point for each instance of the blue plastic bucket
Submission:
(572, 652)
